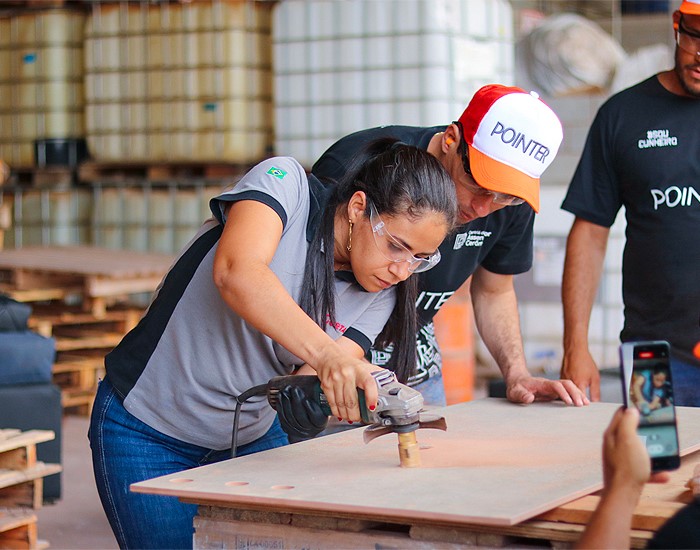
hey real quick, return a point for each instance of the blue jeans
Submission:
(433, 391)
(686, 383)
(125, 451)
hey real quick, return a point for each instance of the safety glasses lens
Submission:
(393, 250)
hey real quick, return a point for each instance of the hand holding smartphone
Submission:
(645, 369)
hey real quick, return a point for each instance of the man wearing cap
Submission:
(643, 153)
(495, 154)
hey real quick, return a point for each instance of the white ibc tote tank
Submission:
(179, 82)
(41, 80)
(345, 65)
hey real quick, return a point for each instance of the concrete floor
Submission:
(77, 520)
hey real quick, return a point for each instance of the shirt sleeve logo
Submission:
(277, 172)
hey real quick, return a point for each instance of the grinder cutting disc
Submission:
(425, 421)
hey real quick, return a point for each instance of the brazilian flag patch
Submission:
(277, 172)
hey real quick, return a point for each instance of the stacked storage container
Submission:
(179, 82)
(345, 66)
(48, 216)
(151, 218)
(41, 81)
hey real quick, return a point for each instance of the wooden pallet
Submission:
(40, 294)
(21, 486)
(82, 341)
(77, 373)
(43, 4)
(108, 172)
(54, 177)
(98, 276)
(18, 528)
(60, 321)
(217, 527)
(80, 297)
(21, 474)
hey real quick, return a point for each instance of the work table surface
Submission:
(497, 464)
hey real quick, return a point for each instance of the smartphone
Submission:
(647, 384)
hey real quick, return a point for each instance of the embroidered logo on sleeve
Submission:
(657, 138)
(277, 172)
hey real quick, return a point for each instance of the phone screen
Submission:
(651, 391)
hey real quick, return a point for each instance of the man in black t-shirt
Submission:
(495, 154)
(642, 153)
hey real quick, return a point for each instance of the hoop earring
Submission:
(349, 246)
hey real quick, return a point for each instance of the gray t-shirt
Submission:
(181, 368)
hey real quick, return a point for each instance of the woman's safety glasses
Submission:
(393, 250)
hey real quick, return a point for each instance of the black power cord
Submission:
(252, 392)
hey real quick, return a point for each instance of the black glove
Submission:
(299, 416)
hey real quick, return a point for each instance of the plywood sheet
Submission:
(658, 502)
(498, 464)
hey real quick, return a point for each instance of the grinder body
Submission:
(398, 410)
(397, 404)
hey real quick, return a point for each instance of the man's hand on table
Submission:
(526, 389)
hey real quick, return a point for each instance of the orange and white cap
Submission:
(513, 136)
(691, 7)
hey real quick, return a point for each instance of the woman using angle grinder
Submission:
(285, 274)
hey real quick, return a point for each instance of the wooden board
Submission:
(93, 273)
(10, 477)
(659, 501)
(14, 439)
(86, 261)
(18, 528)
(498, 464)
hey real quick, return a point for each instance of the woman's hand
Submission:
(341, 374)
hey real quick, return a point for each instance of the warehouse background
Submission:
(119, 120)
